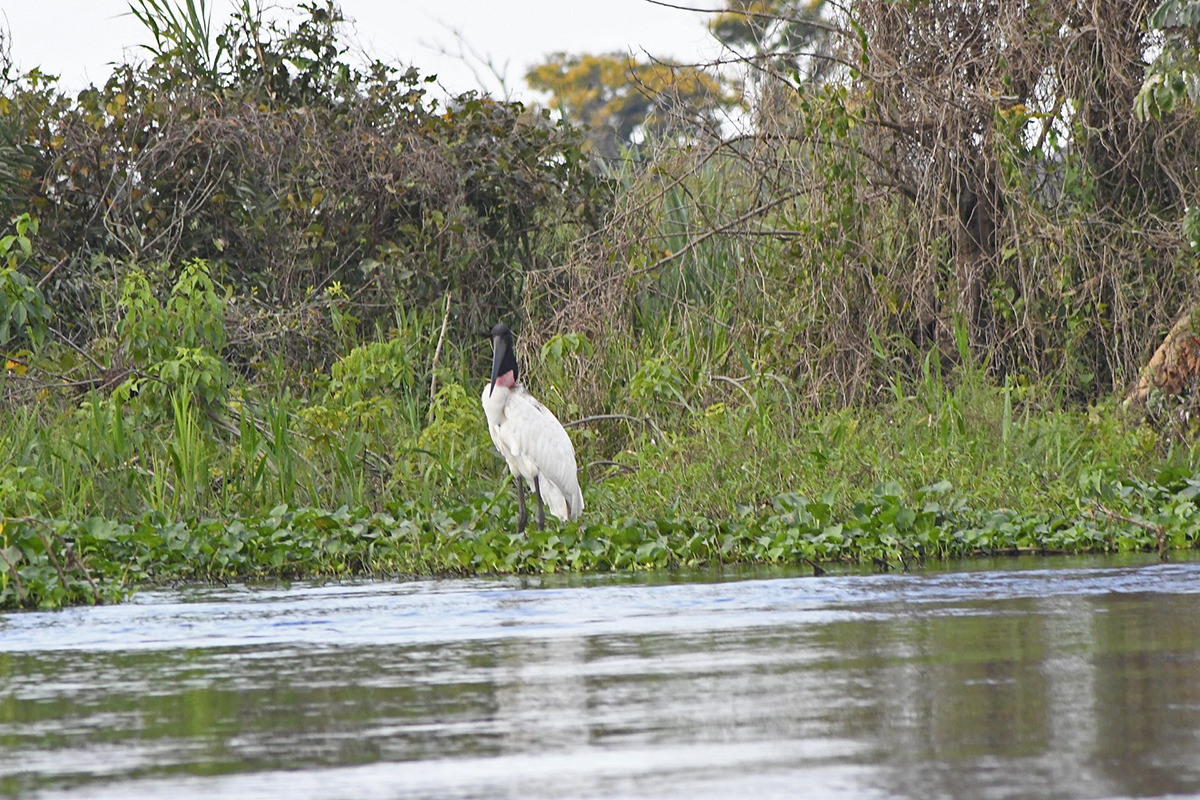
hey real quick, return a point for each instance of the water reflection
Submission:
(1082, 681)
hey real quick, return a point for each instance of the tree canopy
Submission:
(623, 99)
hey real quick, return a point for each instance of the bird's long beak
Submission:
(497, 357)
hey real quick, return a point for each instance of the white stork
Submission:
(531, 439)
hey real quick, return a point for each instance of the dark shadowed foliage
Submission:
(292, 172)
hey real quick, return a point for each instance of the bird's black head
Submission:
(504, 360)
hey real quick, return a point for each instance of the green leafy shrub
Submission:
(456, 437)
(176, 345)
(23, 310)
(656, 381)
(374, 367)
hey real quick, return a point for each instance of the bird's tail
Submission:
(577, 503)
(566, 503)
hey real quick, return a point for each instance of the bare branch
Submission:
(815, 23)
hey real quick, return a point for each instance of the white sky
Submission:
(80, 39)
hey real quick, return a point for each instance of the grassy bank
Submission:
(190, 467)
(943, 472)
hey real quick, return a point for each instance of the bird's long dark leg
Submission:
(537, 489)
(522, 515)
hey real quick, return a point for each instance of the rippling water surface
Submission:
(1074, 678)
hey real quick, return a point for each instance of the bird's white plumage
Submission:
(535, 445)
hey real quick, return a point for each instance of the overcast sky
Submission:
(79, 39)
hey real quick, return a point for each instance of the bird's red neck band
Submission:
(507, 380)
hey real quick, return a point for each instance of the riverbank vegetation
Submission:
(888, 310)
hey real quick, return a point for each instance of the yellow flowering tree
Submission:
(623, 99)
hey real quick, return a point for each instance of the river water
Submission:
(1008, 678)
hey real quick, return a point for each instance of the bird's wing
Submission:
(532, 433)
